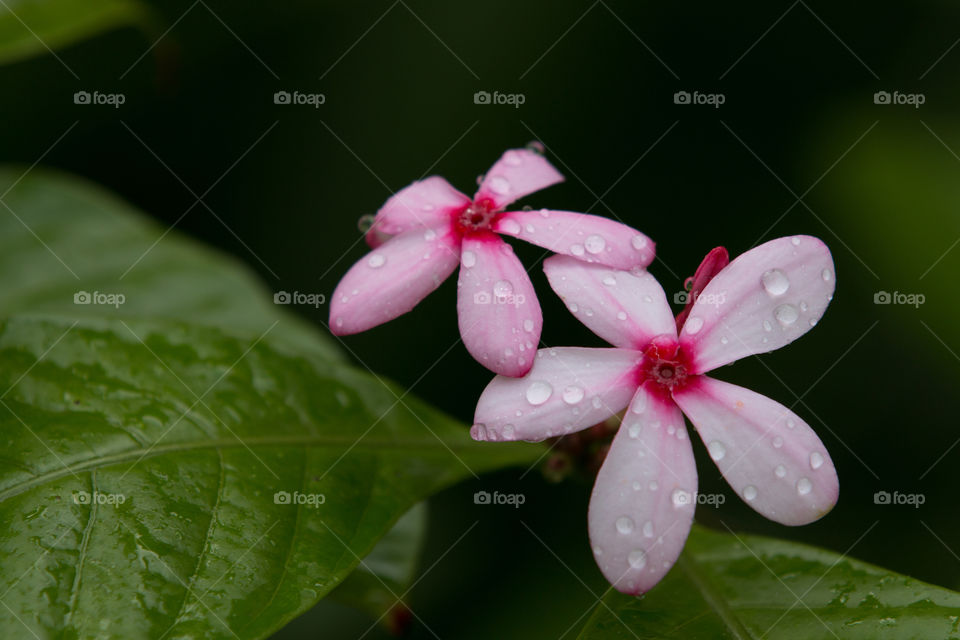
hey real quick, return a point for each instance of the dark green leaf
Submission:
(739, 587)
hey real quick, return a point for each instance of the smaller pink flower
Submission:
(644, 497)
(425, 230)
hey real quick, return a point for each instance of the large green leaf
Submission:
(31, 27)
(61, 236)
(745, 587)
(200, 432)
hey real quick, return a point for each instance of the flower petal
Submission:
(427, 203)
(766, 298)
(500, 319)
(568, 389)
(625, 309)
(771, 458)
(644, 498)
(517, 173)
(392, 279)
(585, 237)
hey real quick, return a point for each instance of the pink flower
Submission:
(424, 231)
(645, 493)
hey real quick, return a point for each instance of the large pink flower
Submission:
(644, 497)
(429, 227)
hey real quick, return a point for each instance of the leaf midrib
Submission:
(714, 599)
(425, 447)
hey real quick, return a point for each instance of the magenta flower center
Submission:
(665, 365)
(477, 216)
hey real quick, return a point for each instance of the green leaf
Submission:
(32, 27)
(740, 587)
(163, 480)
(380, 582)
(63, 237)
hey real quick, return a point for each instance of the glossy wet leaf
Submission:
(162, 478)
(33, 27)
(64, 241)
(755, 587)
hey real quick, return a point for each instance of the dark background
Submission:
(799, 146)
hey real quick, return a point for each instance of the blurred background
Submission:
(836, 120)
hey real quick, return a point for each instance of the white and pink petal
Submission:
(568, 389)
(428, 203)
(517, 173)
(625, 309)
(769, 456)
(392, 279)
(763, 300)
(644, 497)
(497, 308)
(586, 237)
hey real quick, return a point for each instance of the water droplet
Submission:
(429, 234)
(536, 147)
(509, 433)
(816, 460)
(777, 442)
(573, 394)
(512, 158)
(638, 242)
(573, 307)
(621, 315)
(625, 525)
(609, 280)
(653, 485)
(376, 261)
(775, 282)
(717, 450)
(795, 241)
(528, 325)
(634, 430)
(767, 326)
(500, 185)
(648, 529)
(826, 275)
(749, 492)
(637, 559)
(597, 551)
(639, 403)
(813, 322)
(539, 392)
(693, 325)
(804, 486)
(596, 402)
(510, 226)
(786, 314)
(469, 258)
(576, 249)
(478, 432)
(529, 228)
(365, 223)
(502, 288)
(595, 244)
(780, 471)
(428, 207)
(680, 498)
(791, 424)
(635, 485)
(724, 340)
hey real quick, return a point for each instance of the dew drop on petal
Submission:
(804, 486)
(795, 241)
(816, 460)
(536, 147)
(693, 325)
(502, 288)
(500, 185)
(780, 471)
(680, 498)
(572, 394)
(539, 392)
(826, 275)
(376, 261)
(749, 492)
(635, 485)
(786, 314)
(478, 432)
(595, 244)
(429, 234)
(638, 242)
(637, 559)
(653, 485)
(365, 223)
(510, 226)
(621, 315)
(767, 326)
(609, 280)
(625, 525)
(634, 430)
(576, 249)
(596, 402)
(717, 450)
(648, 529)
(509, 433)
(775, 282)
(639, 403)
(791, 424)
(469, 258)
(777, 442)
(512, 158)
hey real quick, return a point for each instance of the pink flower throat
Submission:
(477, 216)
(665, 366)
